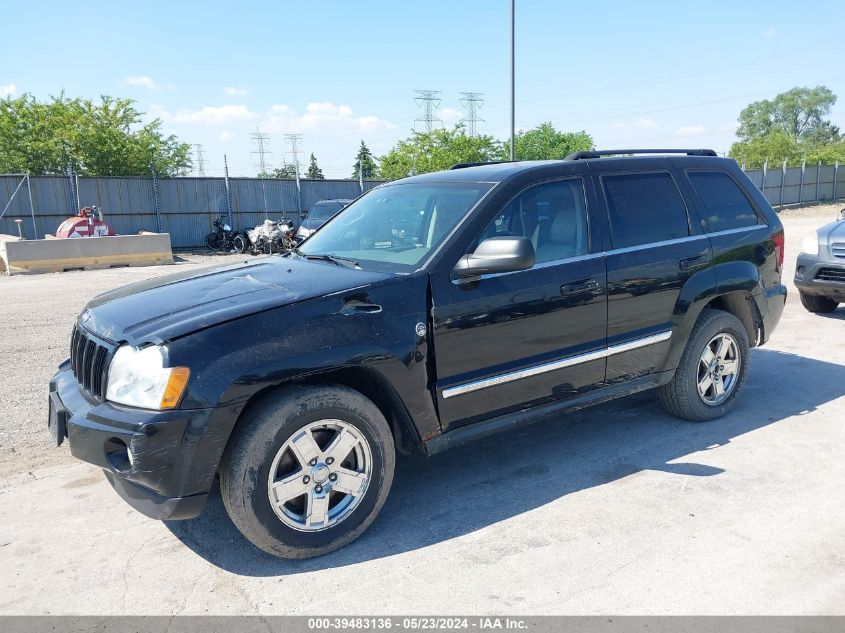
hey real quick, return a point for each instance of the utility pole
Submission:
(228, 188)
(200, 154)
(294, 139)
(513, 77)
(260, 138)
(429, 102)
(472, 102)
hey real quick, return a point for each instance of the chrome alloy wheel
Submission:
(718, 369)
(320, 475)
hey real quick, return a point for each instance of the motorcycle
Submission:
(223, 238)
(270, 237)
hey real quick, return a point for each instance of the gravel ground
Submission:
(615, 509)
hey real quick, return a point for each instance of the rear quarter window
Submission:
(725, 205)
(644, 208)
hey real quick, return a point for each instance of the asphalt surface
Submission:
(617, 509)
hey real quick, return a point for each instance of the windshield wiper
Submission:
(327, 257)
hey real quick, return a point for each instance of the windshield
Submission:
(396, 226)
(323, 210)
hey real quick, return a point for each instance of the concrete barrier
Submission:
(58, 255)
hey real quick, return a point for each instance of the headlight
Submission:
(138, 377)
(810, 245)
(303, 232)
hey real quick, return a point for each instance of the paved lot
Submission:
(617, 509)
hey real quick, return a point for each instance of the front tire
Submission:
(818, 304)
(712, 369)
(307, 470)
(213, 241)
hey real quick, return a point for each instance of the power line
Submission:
(293, 140)
(199, 152)
(472, 102)
(260, 138)
(429, 102)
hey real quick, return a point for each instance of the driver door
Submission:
(511, 340)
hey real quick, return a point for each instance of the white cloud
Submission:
(226, 135)
(640, 122)
(143, 81)
(322, 116)
(209, 115)
(7, 91)
(234, 91)
(770, 34)
(449, 116)
(690, 130)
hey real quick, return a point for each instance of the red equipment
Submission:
(89, 223)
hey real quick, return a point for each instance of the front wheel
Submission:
(307, 470)
(239, 243)
(815, 303)
(711, 371)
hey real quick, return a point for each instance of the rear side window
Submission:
(724, 203)
(644, 208)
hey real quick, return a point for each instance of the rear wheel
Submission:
(815, 303)
(711, 371)
(239, 243)
(213, 241)
(308, 470)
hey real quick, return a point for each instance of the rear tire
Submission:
(683, 396)
(239, 243)
(817, 304)
(280, 484)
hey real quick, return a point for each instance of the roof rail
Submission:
(616, 152)
(478, 164)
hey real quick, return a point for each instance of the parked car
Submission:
(820, 269)
(320, 213)
(431, 311)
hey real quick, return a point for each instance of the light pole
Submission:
(513, 77)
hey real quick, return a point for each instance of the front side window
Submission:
(395, 227)
(552, 215)
(724, 203)
(644, 208)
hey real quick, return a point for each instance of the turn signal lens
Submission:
(175, 387)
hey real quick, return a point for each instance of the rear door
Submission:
(518, 339)
(654, 248)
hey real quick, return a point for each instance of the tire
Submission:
(681, 396)
(239, 243)
(212, 240)
(267, 438)
(817, 304)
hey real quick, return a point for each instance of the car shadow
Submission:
(473, 486)
(839, 313)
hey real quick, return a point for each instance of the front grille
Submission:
(831, 274)
(838, 249)
(89, 361)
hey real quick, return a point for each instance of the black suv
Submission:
(430, 311)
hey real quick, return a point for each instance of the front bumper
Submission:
(807, 269)
(149, 457)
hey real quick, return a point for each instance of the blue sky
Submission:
(644, 74)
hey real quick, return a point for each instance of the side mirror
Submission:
(497, 255)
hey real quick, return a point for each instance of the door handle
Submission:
(693, 262)
(579, 286)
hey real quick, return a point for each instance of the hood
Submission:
(833, 232)
(167, 307)
(311, 224)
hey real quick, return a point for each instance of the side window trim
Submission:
(761, 219)
(591, 252)
(692, 231)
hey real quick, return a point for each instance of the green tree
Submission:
(423, 152)
(365, 164)
(791, 126)
(313, 170)
(104, 138)
(544, 142)
(285, 171)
